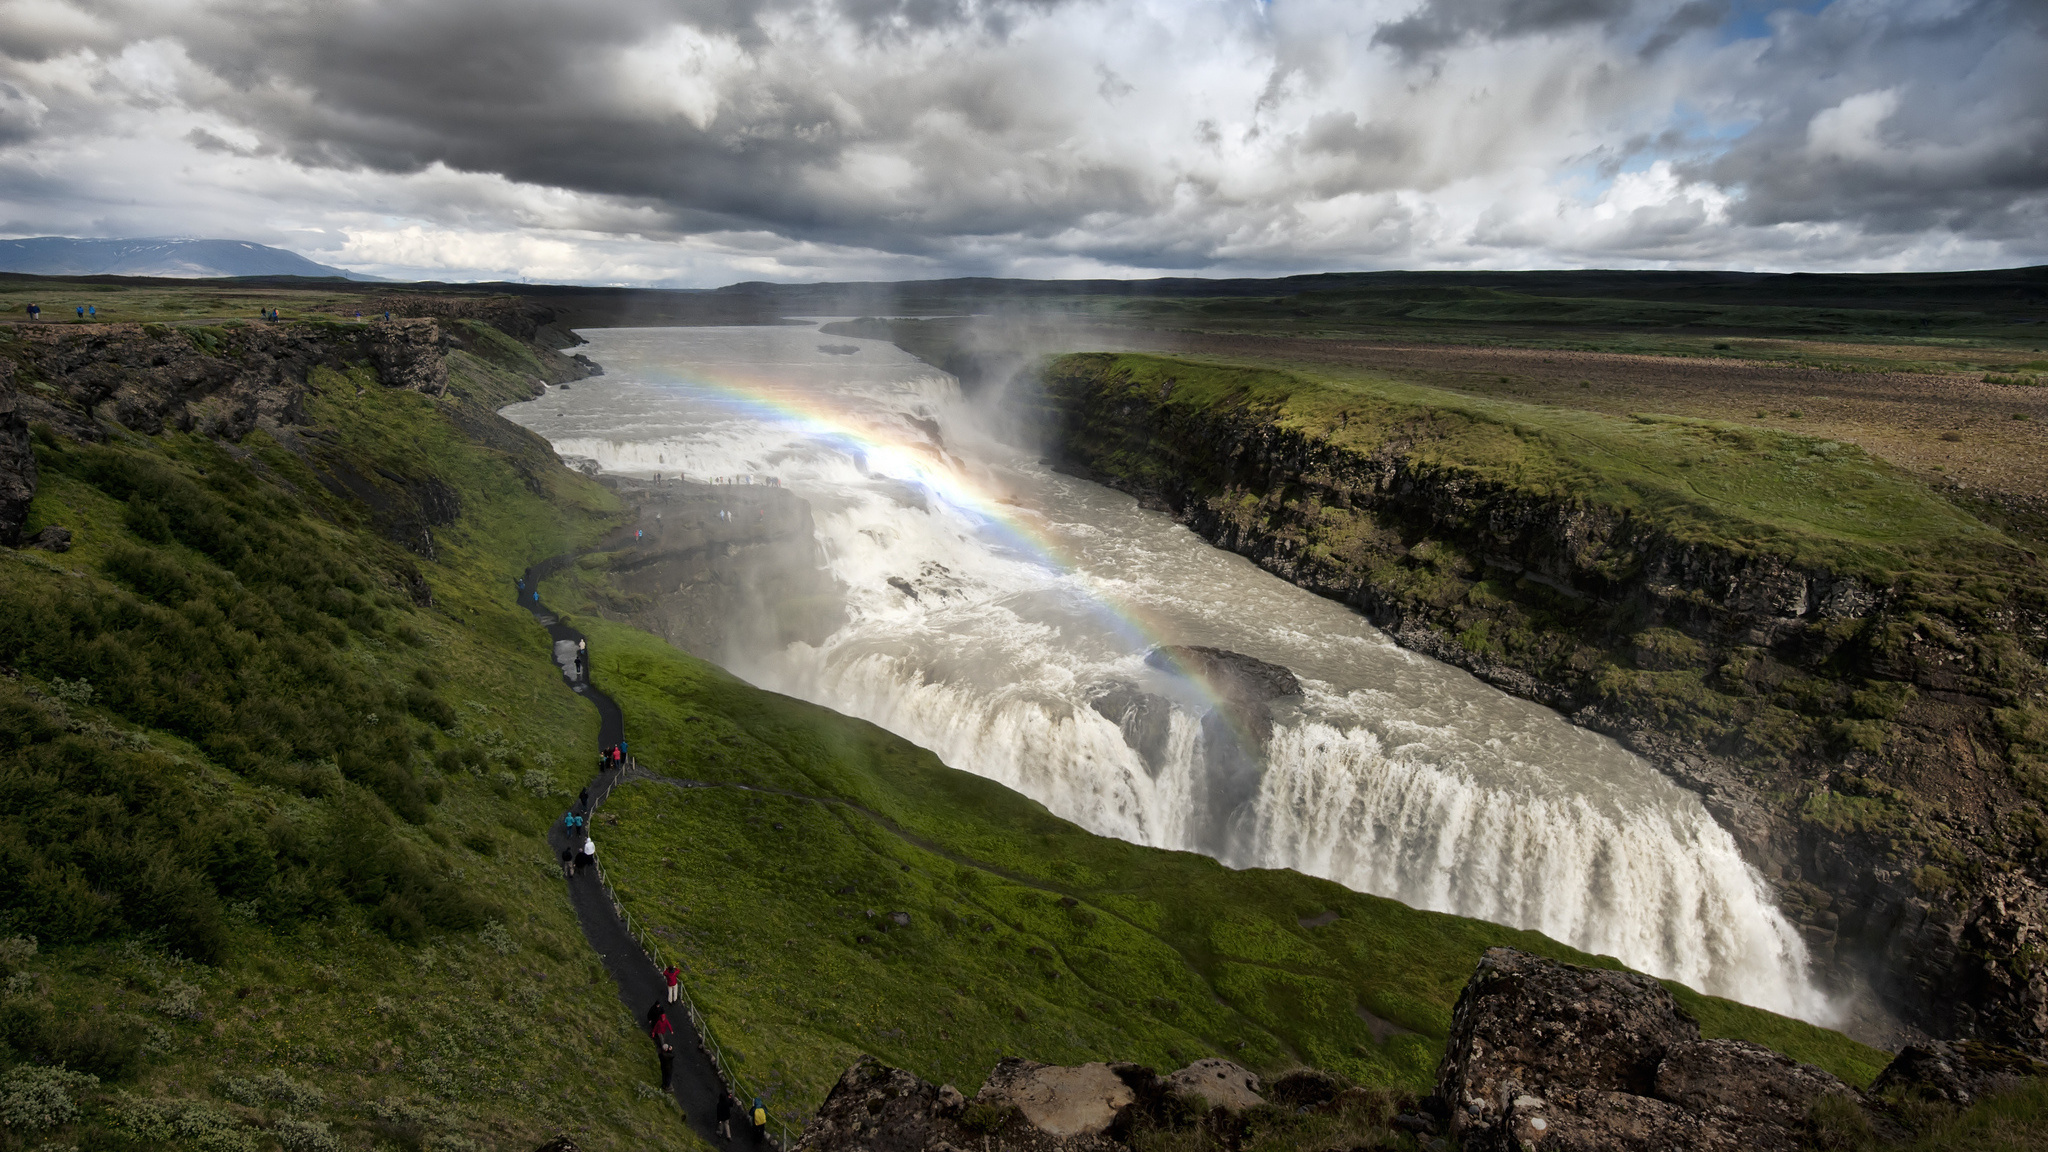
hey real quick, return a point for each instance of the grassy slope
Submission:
(1161, 958)
(417, 982)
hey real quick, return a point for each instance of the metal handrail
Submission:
(652, 948)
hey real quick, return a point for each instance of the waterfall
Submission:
(1008, 634)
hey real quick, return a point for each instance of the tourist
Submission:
(568, 864)
(35, 312)
(81, 311)
(760, 1120)
(725, 1103)
(674, 976)
(588, 856)
(667, 1056)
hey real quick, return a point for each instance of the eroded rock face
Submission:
(1220, 1082)
(17, 461)
(1554, 1056)
(221, 382)
(410, 354)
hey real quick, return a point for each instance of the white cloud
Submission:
(698, 143)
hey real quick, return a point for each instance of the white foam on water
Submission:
(1393, 774)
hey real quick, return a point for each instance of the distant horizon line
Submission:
(1190, 277)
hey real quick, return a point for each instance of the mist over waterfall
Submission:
(1000, 614)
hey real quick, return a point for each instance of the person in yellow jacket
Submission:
(760, 1115)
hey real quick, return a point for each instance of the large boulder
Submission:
(1563, 1058)
(1230, 675)
(875, 1108)
(1745, 1086)
(1066, 1102)
(1220, 1082)
(1956, 1073)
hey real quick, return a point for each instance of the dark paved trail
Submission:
(697, 1082)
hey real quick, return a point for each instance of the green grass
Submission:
(2015, 1121)
(268, 814)
(1743, 488)
(1028, 936)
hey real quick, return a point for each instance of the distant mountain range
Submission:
(158, 256)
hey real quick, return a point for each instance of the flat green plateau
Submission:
(1737, 486)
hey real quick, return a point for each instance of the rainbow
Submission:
(891, 454)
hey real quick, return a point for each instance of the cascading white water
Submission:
(1022, 599)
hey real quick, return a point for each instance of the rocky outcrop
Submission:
(1230, 675)
(881, 1109)
(1235, 730)
(1869, 743)
(1558, 1057)
(1957, 1073)
(17, 462)
(1220, 1082)
(1033, 1107)
(222, 382)
(230, 380)
(53, 538)
(410, 354)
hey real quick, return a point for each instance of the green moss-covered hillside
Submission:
(274, 791)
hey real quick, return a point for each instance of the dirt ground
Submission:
(1983, 443)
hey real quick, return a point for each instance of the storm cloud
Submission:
(704, 141)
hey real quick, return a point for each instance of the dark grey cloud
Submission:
(1696, 16)
(1036, 135)
(1441, 24)
(1905, 118)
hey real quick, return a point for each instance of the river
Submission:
(999, 613)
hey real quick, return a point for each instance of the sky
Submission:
(692, 143)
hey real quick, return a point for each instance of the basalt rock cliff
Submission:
(1874, 746)
(229, 380)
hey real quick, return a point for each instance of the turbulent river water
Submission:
(992, 604)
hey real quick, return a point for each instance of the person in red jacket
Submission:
(674, 976)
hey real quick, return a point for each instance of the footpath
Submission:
(698, 1081)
